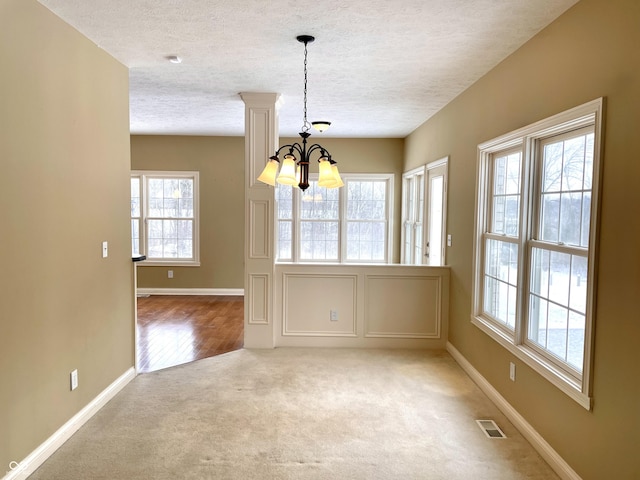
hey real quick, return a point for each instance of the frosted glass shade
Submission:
(337, 183)
(326, 176)
(268, 175)
(321, 125)
(288, 171)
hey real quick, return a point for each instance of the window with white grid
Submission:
(535, 245)
(348, 224)
(164, 217)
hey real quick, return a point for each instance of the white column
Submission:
(261, 140)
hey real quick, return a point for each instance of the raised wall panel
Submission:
(260, 232)
(259, 299)
(260, 125)
(309, 299)
(402, 306)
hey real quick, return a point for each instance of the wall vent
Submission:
(490, 429)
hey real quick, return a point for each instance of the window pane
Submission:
(135, 236)
(319, 240)
(169, 229)
(170, 248)
(155, 248)
(418, 245)
(570, 218)
(505, 213)
(185, 208)
(435, 219)
(557, 331)
(154, 229)
(588, 161)
(539, 282)
(558, 295)
(135, 197)
(559, 277)
(319, 203)
(366, 200)
(408, 241)
(186, 188)
(171, 188)
(586, 219)
(567, 172)
(578, 295)
(365, 241)
(550, 218)
(538, 314)
(501, 278)
(552, 168)
(170, 207)
(573, 170)
(284, 240)
(284, 202)
(185, 248)
(155, 188)
(575, 346)
(155, 207)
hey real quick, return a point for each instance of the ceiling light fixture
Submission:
(329, 176)
(321, 125)
(174, 59)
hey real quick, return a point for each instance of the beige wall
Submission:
(220, 163)
(590, 51)
(64, 152)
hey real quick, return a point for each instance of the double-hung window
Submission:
(349, 224)
(164, 217)
(536, 230)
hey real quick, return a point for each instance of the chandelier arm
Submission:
(293, 146)
(323, 151)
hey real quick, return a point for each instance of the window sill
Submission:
(165, 263)
(539, 364)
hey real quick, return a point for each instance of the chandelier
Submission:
(295, 163)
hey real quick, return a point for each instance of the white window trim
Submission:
(342, 221)
(406, 177)
(142, 174)
(443, 162)
(389, 179)
(580, 389)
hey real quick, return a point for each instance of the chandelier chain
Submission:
(305, 124)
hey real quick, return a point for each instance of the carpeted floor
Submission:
(299, 414)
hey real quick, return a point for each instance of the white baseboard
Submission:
(191, 291)
(545, 450)
(36, 458)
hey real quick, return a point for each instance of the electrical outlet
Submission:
(448, 240)
(169, 273)
(74, 379)
(512, 371)
(333, 315)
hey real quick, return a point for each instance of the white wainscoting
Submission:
(374, 306)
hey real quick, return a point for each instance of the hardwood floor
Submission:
(178, 329)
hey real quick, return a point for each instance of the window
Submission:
(164, 217)
(413, 184)
(349, 224)
(424, 214)
(535, 244)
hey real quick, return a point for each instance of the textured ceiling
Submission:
(377, 68)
